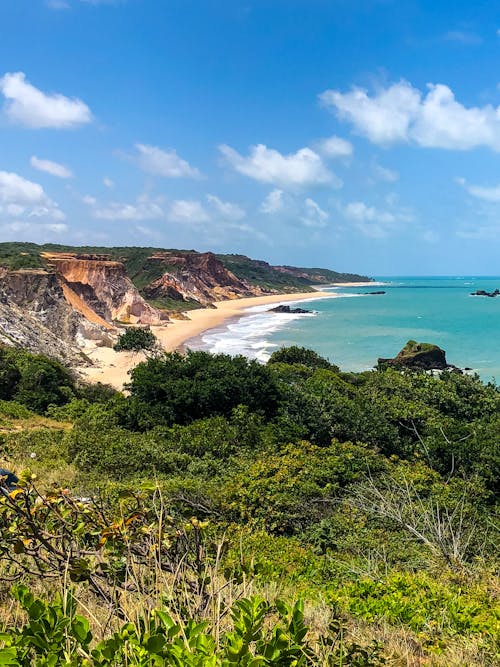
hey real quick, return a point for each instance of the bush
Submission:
(177, 389)
(136, 339)
(300, 355)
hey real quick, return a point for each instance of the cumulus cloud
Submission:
(21, 199)
(375, 222)
(486, 193)
(143, 208)
(167, 163)
(187, 211)
(53, 168)
(314, 215)
(225, 209)
(32, 231)
(334, 147)
(31, 107)
(302, 169)
(273, 202)
(402, 113)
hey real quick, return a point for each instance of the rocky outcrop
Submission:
(197, 277)
(482, 292)
(101, 290)
(287, 310)
(418, 356)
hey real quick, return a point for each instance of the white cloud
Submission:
(32, 107)
(489, 194)
(273, 203)
(375, 222)
(154, 160)
(16, 189)
(142, 209)
(302, 169)
(401, 113)
(384, 174)
(383, 118)
(334, 147)
(226, 209)
(187, 211)
(53, 168)
(20, 198)
(32, 231)
(108, 182)
(314, 215)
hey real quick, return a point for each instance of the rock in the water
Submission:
(482, 292)
(370, 293)
(288, 310)
(419, 356)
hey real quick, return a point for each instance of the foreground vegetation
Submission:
(229, 513)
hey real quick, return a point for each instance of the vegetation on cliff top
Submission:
(143, 271)
(372, 497)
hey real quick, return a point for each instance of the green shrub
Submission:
(177, 389)
(136, 339)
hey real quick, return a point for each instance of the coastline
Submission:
(113, 368)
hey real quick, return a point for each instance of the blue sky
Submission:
(361, 135)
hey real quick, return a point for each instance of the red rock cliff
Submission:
(102, 286)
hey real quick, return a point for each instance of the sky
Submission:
(358, 135)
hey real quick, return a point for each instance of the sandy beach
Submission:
(113, 368)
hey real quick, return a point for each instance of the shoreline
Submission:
(113, 368)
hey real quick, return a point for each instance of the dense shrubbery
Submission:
(177, 389)
(136, 339)
(342, 485)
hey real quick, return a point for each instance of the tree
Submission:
(43, 382)
(174, 388)
(300, 355)
(9, 376)
(136, 339)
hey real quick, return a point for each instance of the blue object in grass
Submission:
(8, 480)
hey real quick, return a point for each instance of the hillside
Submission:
(186, 518)
(145, 265)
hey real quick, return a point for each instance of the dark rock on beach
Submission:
(419, 356)
(288, 310)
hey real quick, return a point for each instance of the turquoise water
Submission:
(354, 330)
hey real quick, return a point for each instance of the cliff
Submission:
(35, 315)
(103, 286)
(199, 277)
(74, 299)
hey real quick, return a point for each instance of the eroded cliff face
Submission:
(77, 299)
(34, 314)
(97, 286)
(197, 276)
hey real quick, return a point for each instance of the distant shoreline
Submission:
(113, 368)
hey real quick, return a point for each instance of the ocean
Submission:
(354, 329)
